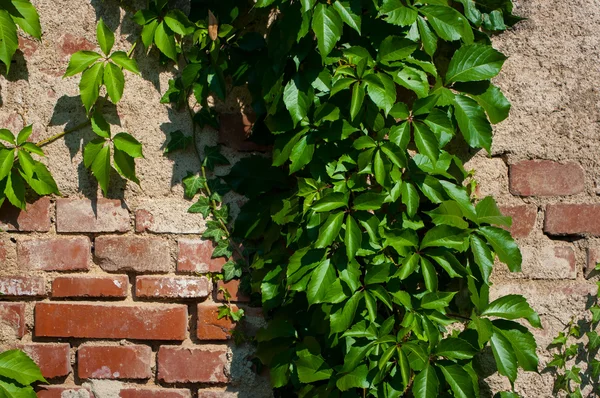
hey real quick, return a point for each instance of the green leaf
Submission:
(27, 18)
(178, 141)
(512, 306)
(99, 124)
(296, 101)
(488, 212)
(202, 206)
(311, 367)
(413, 79)
(9, 41)
(448, 213)
(89, 86)
(120, 58)
(448, 23)
(446, 236)
(459, 380)
(455, 348)
(522, 342)
(106, 38)
(355, 379)
(330, 230)
(437, 300)
(148, 32)
(410, 198)
(369, 201)
(395, 48)
(24, 134)
(80, 61)
(327, 26)
(126, 143)
(192, 184)
(398, 14)
(473, 123)
(101, 168)
(428, 37)
(342, 318)
(593, 340)
(429, 275)
(330, 202)
(32, 148)
(178, 22)
(505, 357)
(347, 14)
(495, 104)
(505, 247)
(213, 157)
(358, 96)
(114, 81)
(320, 283)
(483, 257)
(461, 197)
(474, 62)
(380, 170)
(426, 383)
(302, 153)
(125, 165)
(12, 390)
(382, 91)
(353, 237)
(426, 141)
(15, 190)
(7, 136)
(165, 41)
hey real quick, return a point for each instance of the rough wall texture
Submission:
(77, 293)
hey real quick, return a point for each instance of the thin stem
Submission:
(55, 137)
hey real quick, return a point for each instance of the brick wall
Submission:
(89, 298)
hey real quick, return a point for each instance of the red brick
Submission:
(56, 254)
(54, 359)
(57, 392)
(593, 258)
(150, 216)
(576, 219)
(131, 253)
(143, 220)
(195, 256)
(16, 286)
(90, 286)
(154, 393)
(523, 219)
(69, 44)
(12, 319)
(114, 362)
(210, 327)
(27, 47)
(36, 218)
(545, 178)
(83, 215)
(233, 287)
(107, 321)
(216, 393)
(171, 287)
(209, 364)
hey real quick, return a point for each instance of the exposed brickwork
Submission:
(69, 44)
(210, 364)
(548, 262)
(114, 362)
(127, 253)
(209, 326)
(195, 256)
(12, 319)
(83, 215)
(572, 219)
(143, 220)
(593, 258)
(171, 287)
(54, 359)
(108, 321)
(22, 286)
(216, 393)
(90, 286)
(55, 254)
(546, 178)
(523, 219)
(233, 287)
(36, 218)
(3, 253)
(155, 393)
(69, 391)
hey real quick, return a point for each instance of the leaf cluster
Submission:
(17, 373)
(15, 13)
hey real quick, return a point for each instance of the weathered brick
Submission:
(64, 391)
(546, 178)
(523, 219)
(90, 286)
(137, 322)
(12, 319)
(167, 216)
(155, 393)
(36, 218)
(593, 258)
(209, 326)
(195, 256)
(54, 359)
(216, 393)
(131, 253)
(171, 287)
(572, 219)
(548, 262)
(27, 47)
(210, 364)
(16, 286)
(143, 220)
(55, 254)
(114, 362)
(233, 287)
(83, 215)
(69, 44)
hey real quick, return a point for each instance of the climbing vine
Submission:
(361, 238)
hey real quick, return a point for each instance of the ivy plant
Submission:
(15, 13)
(17, 373)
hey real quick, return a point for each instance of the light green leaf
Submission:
(80, 61)
(437, 300)
(400, 135)
(330, 230)
(125, 165)
(101, 168)
(327, 26)
(455, 348)
(448, 213)
(459, 380)
(347, 14)
(413, 79)
(330, 202)
(505, 357)
(114, 81)
(89, 85)
(9, 41)
(426, 141)
(99, 124)
(428, 37)
(474, 62)
(395, 48)
(148, 32)
(15, 190)
(192, 184)
(353, 237)
(32, 148)
(441, 126)
(512, 306)
(296, 101)
(495, 104)
(27, 18)
(446, 236)
(488, 212)
(12, 390)
(426, 383)
(120, 58)
(483, 257)
(178, 22)
(24, 134)
(321, 281)
(302, 154)
(460, 195)
(473, 123)
(505, 247)
(105, 36)
(7, 136)
(126, 143)
(398, 14)
(448, 23)
(165, 41)
(7, 158)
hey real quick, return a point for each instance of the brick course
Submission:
(171, 287)
(546, 178)
(127, 253)
(90, 286)
(55, 254)
(572, 219)
(114, 362)
(210, 364)
(83, 215)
